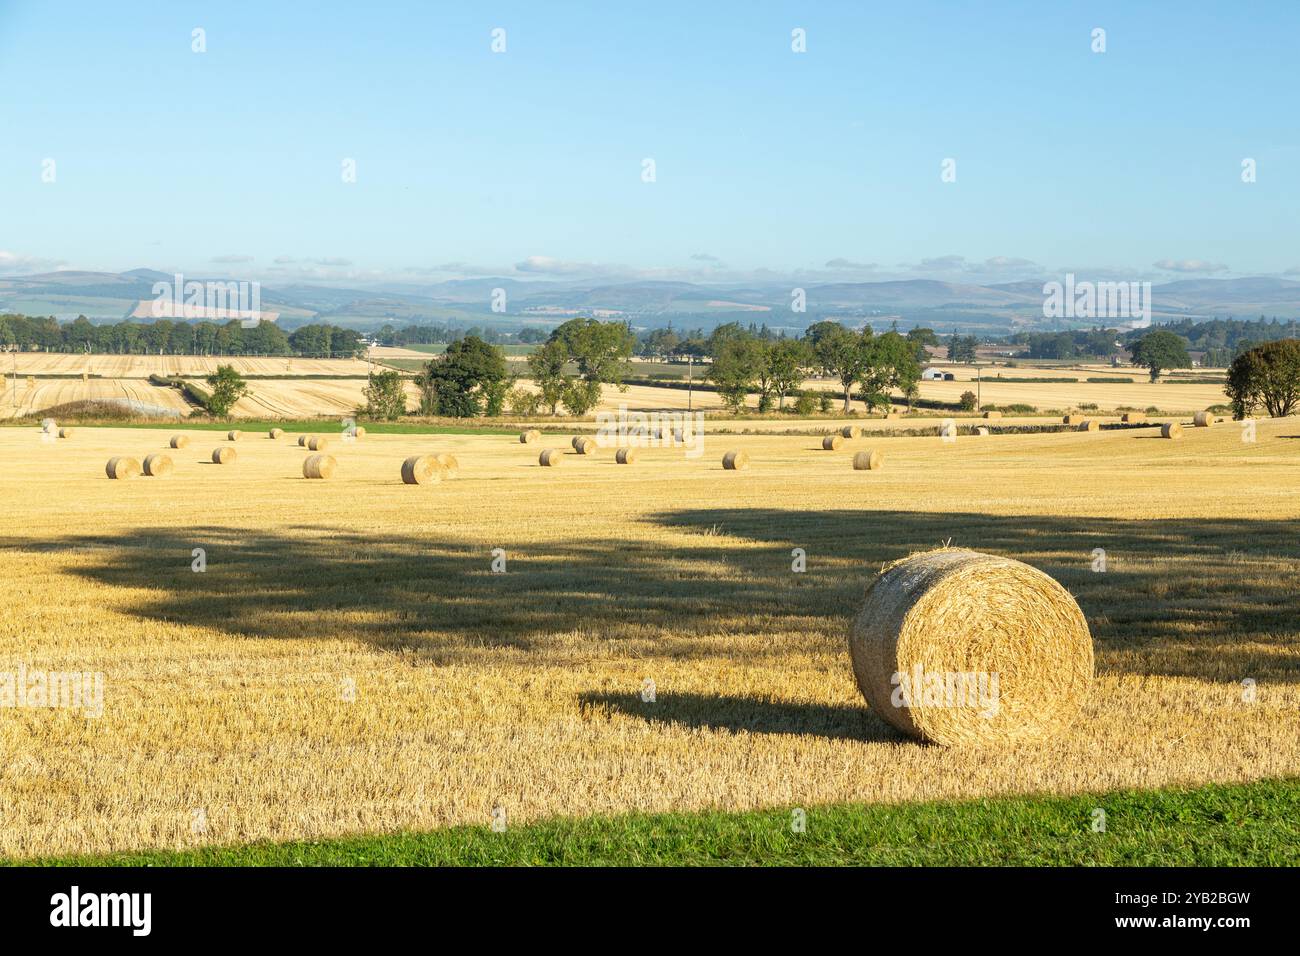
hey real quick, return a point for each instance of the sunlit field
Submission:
(349, 663)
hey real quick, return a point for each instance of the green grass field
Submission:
(1255, 824)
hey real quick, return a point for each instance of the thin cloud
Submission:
(1200, 266)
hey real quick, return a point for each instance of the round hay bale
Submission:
(550, 458)
(448, 463)
(224, 455)
(573, 442)
(992, 415)
(65, 432)
(120, 466)
(318, 443)
(305, 441)
(180, 441)
(158, 466)
(958, 647)
(868, 460)
(584, 446)
(832, 442)
(851, 431)
(981, 430)
(891, 416)
(234, 434)
(319, 466)
(529, 436)
(421, 470)
(1171, 430)
(735, 460)
(276, 433)
(625, 456)
(1203, 419)
(358, 431)
(1090, 425)
(1133, 417)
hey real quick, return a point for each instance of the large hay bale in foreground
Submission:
(1131, 418)
(832, 442)
(550, 458)
(1171, 430)
(868, 460)
(319, 466)
(121, 466)
(158, 466)
(179, 441)
(234, 435)
(276, 433)
(304, 441)
(529, 436)
(992, 414)
(584, 446)
(448, 463)
(65, 432)
(735, 460)
(1090, 425)
(421, 470)
(1203, 419)
(224, 455)
(851, 431)
(957, 647)
(625, 456)
(318, 443)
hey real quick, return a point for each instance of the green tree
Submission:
(786, 360)
(967, 401)
(1159, 351)
(1267, 375)
(228, 387)
(546, 364)
(385, 397)
(736, 369)
(889, 362)
(838, 352)
(463, 378)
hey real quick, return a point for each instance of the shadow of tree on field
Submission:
(1214, 599)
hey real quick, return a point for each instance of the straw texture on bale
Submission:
(1203, 419)
(224, 455)
(1171, 430)
(1090, 425)
(234, 434)
(157, 466)
(180, 441)
(421, 470)
(120, 466)
(832, 442)
(550, 458)
(448, 463)
(277, 433)
(65, 432)
(625, 456)
(305, 440)
(1131, 417)
(318, 443)
(868, 460)
(530, 436)
(851, 431)
(584, 446)
(992, 414)
(938, 629)
(319, 466)
(735, 460)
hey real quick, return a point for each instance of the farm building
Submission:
(932, 375)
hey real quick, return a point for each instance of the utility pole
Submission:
(979, 391)
(690, 367)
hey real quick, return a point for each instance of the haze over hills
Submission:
(991, 309)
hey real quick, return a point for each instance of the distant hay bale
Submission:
(1203, 419)
(625, 456)
(529, 436)
(179, 441)
(735, 460)
(421, 470)
(832, 442)
(157, 466)
(992, 414)
(981, 430)
(65, 432)
(956, 647)
(584, 446)
(120, 466)
(1171, 430)
(1090, 425)
(276, 433)
(448, 463)
(868, 460)
(234, 435)
(890, 416)
(573, 442)
(306, 440)
(319, 466)
(225, 455)
(851, 431)
(1133, 417)
(318, 443)
(550, 458)
(358, 431)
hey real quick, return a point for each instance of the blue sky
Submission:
(824, 164)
